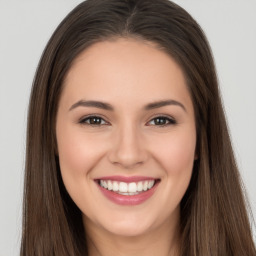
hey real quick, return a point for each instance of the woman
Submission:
(128, 151)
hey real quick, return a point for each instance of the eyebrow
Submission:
(107, 106)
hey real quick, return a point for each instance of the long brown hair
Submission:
(214, 216)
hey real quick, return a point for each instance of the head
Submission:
(166, 28)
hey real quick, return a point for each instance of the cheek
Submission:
(78, 155)
(177, 152)
(176, 155)
(77, 152)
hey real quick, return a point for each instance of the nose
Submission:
(128, 149)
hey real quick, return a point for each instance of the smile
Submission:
(124, 188)
(127, 190)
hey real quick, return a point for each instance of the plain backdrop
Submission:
(25, 27)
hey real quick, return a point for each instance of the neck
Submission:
(160, 241)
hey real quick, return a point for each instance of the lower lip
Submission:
(126, 199)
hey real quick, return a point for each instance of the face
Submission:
(126, 137)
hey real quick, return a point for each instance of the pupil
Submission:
(160, 121)
(95, 120)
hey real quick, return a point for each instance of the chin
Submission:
(127, 228)
(127, 231)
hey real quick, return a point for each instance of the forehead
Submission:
(126, 69)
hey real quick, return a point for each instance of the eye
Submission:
(93, 121)
(162, 121)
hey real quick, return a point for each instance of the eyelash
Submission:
(170, 121)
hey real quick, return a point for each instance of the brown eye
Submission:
(162, 121)
(93, 120)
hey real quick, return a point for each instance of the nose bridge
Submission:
(128, 149)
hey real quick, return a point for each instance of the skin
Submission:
(128, 74)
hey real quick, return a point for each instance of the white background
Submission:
(25, 27)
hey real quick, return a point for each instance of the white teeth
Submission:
(124, 193)
(128, 194)
(110, 186)
(132, 194)
(132, 187)
(145, 186)
(140, 186)
(150, 184)
(124, 188)
(115, 186)
(105, 185)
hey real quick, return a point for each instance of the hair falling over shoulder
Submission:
(214, 210)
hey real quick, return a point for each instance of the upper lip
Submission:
(126, 179)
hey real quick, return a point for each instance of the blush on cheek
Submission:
(178, 154)
(70, 154)
(183, 159)
(78, 151)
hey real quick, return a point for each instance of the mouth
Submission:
(127, 190)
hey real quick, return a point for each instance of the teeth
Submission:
(145, 186)
(104, 184)
(124, 188)
(132, 187)
(115, 186)
(150, 184)
(110, 186)
(128, 194)
(140, 186)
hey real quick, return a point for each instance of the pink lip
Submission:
(126, 199)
